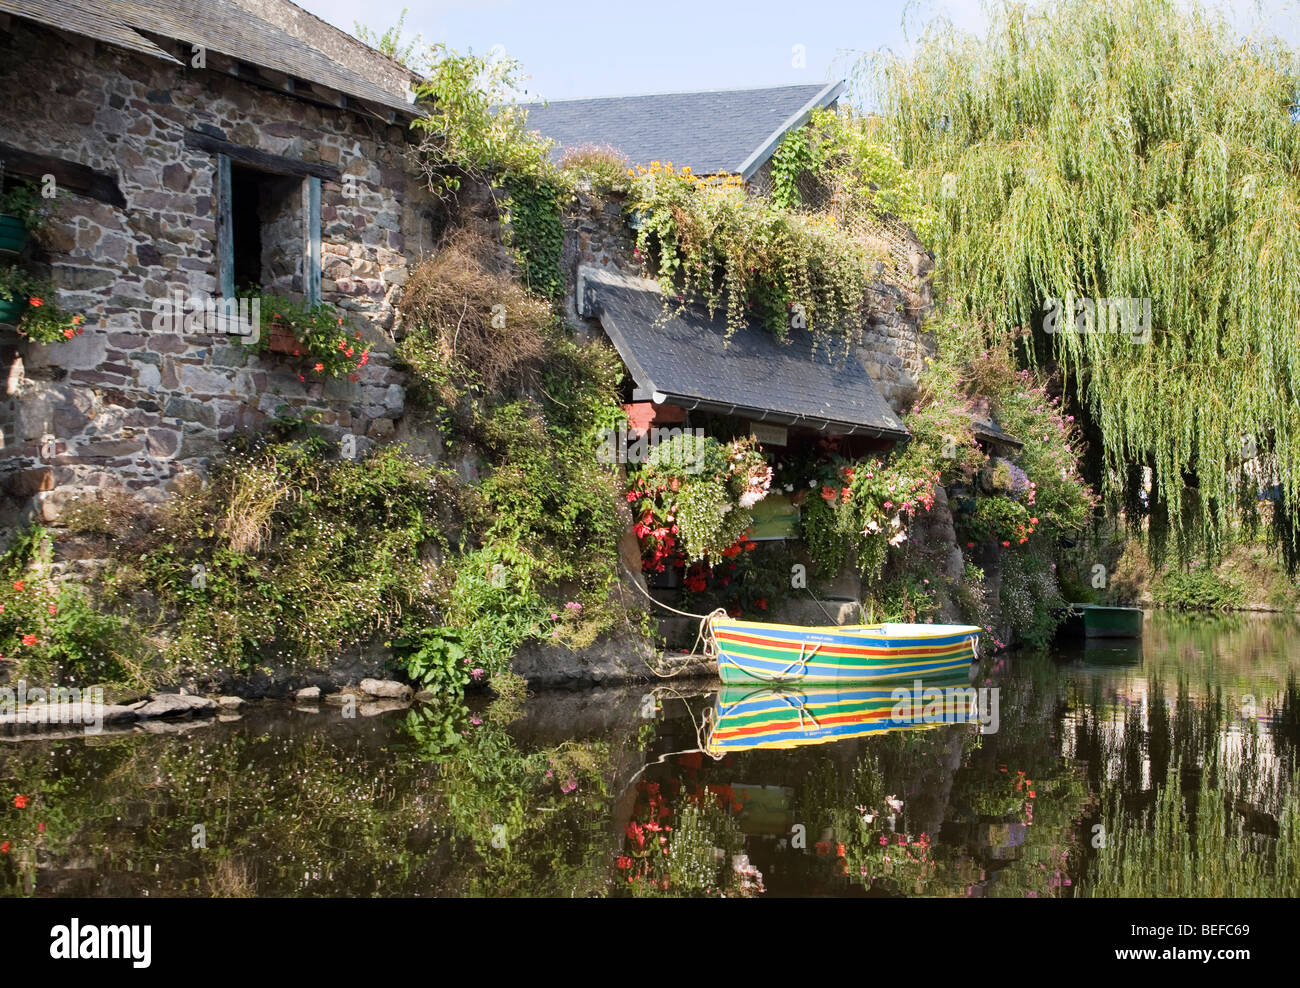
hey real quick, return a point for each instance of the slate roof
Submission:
(987, 428)
(732, 131)
(218, 25)
(686, 358)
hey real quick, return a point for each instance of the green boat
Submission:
(1100, 621)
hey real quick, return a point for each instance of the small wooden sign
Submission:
(769, 435)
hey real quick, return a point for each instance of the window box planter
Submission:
(282, 340)
(313, 333)
(13, 234)
(11, 311)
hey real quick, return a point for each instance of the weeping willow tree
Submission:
(1090, 150)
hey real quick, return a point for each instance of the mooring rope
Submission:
(704, 634)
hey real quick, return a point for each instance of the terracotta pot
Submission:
(283, 341)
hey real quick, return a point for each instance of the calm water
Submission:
(1189, 736)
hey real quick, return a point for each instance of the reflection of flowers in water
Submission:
(684, 838)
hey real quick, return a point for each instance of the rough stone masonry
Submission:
(124, 406)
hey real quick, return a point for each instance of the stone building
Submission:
(197, 146)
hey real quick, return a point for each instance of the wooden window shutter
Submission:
(225, 230)
(313, 240)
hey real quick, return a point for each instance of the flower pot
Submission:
(11, 311)
(282, 340)
(13, 234)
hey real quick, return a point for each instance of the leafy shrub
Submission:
(603, 167)
(1198, 590)
(1030, 598)
(50, 630)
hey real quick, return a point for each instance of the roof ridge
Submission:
(686, 92)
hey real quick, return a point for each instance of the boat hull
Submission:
(753, 652)
(1097, 621)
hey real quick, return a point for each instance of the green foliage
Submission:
(841, 152)
(24, 201)
(326, 346)
(710, 242)
(286, 556)
(1030, 597)
(536, 232)
(1197, 589)
(435, 658)
(390, 42)
(1158, 161)
(598, 167)
(50, 630)
(473, 126)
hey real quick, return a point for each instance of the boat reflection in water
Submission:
(746, 717)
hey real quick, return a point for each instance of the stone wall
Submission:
(124, 405)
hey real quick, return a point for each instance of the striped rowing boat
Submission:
(751, 651)
(746, 717)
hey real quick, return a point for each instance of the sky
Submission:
(571, 49)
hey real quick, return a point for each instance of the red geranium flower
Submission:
(20, 802)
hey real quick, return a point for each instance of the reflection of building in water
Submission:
(1140, 722)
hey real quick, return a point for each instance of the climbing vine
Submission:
(711, 242)
(536, 232)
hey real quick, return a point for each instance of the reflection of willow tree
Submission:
(1194, 803)
(1200, 843)
(308, 812)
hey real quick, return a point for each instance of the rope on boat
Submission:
(704, 635)
(801, 662)
(703, 729)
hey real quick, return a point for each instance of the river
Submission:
(1165, 766)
